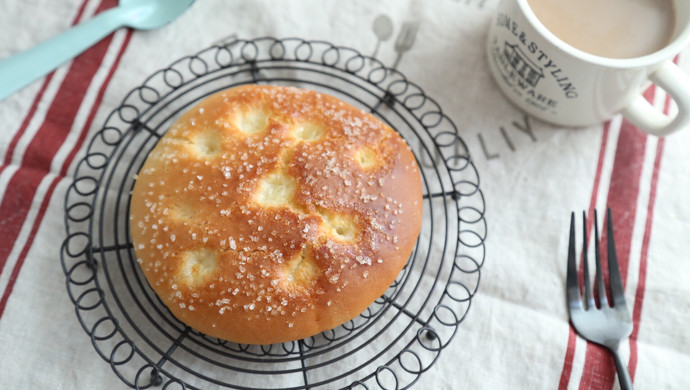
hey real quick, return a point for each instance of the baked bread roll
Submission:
(268, 214)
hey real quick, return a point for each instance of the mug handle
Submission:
(649, 119)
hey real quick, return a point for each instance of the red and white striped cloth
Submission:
(517, 334)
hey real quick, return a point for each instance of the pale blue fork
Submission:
(21, 69)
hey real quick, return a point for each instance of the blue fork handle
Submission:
(23, 68)
(623, 374)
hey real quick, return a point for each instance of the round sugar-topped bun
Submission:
(268, 214)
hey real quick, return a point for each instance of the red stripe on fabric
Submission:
(568, 362)
(599, 369)
(63, 111)
(62, 114)
(34, 105)
(27, 119)
(51, 135)
(642, 279)
(51, 189)
(96, 104)
(80, 12)
(572, 336)
(25, 249)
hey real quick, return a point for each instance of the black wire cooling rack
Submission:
(394, 341)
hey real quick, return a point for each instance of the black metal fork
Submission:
(609, 324)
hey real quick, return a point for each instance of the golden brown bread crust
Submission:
(268, 214)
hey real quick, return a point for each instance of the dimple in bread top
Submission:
(267, 214)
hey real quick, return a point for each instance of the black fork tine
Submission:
(589, 299)
(574, 300)
(615, 280)
(601, 288)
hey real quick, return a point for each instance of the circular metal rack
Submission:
(394, 341)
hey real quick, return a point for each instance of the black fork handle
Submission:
(623, 374)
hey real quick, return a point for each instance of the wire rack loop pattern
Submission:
(393, 342)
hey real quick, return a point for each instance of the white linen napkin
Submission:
(516, 334)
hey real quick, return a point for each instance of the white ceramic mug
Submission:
(557, 83)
